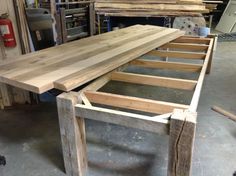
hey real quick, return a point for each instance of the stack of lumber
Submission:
(150, 8)
(212, 5)
(73, 64)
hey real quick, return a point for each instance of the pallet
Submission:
(168, 118)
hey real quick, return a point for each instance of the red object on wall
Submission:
(7, 33)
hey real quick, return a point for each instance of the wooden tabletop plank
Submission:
(51, 68)
(47, 66)
(70, 82)
(55, 54)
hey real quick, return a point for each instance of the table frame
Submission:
(176, 120)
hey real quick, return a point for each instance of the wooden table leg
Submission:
(73, 139)
(182, 134)
(5, 96)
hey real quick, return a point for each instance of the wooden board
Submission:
(150, 8)
(40, 71)
(162, 117)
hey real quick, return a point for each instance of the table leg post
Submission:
(5, 96)
(182, 134)
(73, 138)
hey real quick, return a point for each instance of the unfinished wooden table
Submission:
(73, 64)
(167, 118)
(78, 61)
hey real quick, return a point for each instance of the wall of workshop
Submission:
(6, 6)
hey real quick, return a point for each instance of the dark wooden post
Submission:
(182, 134)
(73, 139)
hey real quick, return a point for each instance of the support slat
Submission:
(192, 40)
(168, 65)
(127, 102)
(174, 54)
(154, 80)
(184, 46)
(197, 92)
(147, 123)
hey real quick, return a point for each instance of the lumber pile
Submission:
(212, 5)
(150, 8)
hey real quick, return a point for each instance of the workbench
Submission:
(103, 58)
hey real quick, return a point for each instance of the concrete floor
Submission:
(30, 139)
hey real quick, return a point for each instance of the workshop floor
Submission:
(30, 139)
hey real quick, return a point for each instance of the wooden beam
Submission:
(147, 123)
(85, 99)
(154, 80)
(181, 142)
(127, 102)
(72, 135)
(5, 95)
(167, 65)
(78, 78)
(193, 40)
(174, 54)
(197, 92)
(215, 38)
(185, 46)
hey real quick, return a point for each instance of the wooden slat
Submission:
(173, 54)
(134, 103)
(154, 80)
(73, 138)
(167, 65)
(197, 92)
(193, 40)
(73, 53)
(159, 13)
(64, 48)
(184, 46)
(151, 124)
(136, 7)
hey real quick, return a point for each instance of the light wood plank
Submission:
(45, 82)
(120, 6)
(117, 51)
(184, 46)
(44, 70)
(159, 13)
(154, 80)
(174, 54)
(197, 92)
(167, 65)
(193, 40)
(134, 103)
(151, 124)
